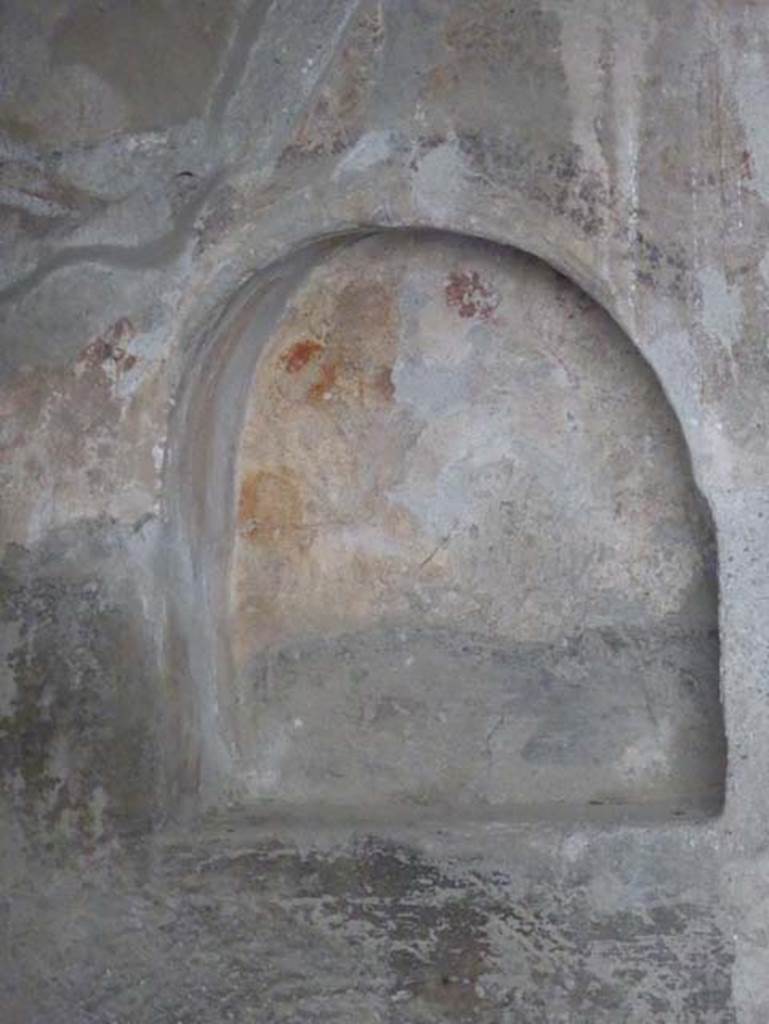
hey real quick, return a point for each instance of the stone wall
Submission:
(171, 174)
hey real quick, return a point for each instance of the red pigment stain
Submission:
(299, 355)
(466, 293)
(106, 346)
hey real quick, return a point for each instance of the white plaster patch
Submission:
(574, 847)
(263, 780)
(158, 455)
(648, 754)
(373, 148)
(720, 306)
(582, 33)
(629, 50)
(147, 349)
(724, 462)
(438, 184)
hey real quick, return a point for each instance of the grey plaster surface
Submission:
(231, 922)
(171, 174)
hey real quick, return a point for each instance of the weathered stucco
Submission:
(244, 236)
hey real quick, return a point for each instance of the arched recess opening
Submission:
(452, 557)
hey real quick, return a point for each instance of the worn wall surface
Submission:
(172, 176)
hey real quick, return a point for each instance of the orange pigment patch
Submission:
(270, 505)
(321, 390)
(352, 384)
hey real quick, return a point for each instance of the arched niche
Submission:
(446, 553)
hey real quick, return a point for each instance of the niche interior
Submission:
(461, 563)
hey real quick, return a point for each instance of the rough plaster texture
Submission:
(172, 174)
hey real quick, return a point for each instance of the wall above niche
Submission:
(468, 571)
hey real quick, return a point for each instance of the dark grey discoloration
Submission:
(77, 734)
(129, 47)
(460, 725)
(263, 929)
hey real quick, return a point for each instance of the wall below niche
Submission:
(470, 571)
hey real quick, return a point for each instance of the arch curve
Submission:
(463, 313)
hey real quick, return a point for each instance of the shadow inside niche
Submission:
(406, 723)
